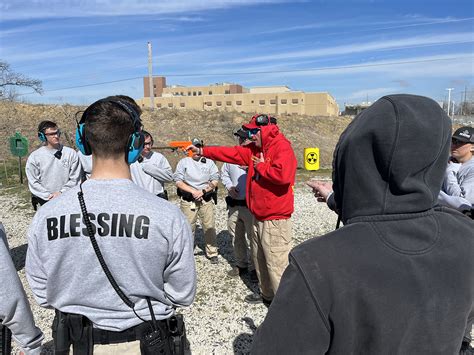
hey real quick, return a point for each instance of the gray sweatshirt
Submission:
(458, 186)
(86, 163)
(196, 173)
(47, 174)
(152, 173)
(146, 243)
(234, 175)
(15, 312)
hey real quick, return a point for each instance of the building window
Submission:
(182, 93)
(283, 101)
(154, 86)
(182, 104)
(251, 102)
(170, 104)
(294, 101)
(194, 93)
(218, 103)
(189, 93)
(208, 103)
(238, 103)
(199, 93)
(261, 102)
(273, 102)
(210, 92)
(227, 92)
(228, 103)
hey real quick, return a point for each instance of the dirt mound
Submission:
(214, 127)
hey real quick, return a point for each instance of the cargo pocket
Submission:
(281, 236)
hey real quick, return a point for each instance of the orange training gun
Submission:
(177, 146)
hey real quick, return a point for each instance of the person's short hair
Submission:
(44, 125)
(108, 126)
(147, 134)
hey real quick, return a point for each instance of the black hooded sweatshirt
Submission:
(398, 278)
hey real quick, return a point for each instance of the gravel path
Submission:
(218, 322)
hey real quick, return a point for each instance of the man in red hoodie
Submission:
(270, 184)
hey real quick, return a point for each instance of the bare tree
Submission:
(10, 80)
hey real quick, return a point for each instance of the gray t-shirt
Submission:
(458, 186)
(196, 174)
(152, 173)
(15, 312)
(47, 174)
(146, 243)
(234, 175)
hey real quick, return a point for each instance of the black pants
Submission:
(5, 341)
(35, 200)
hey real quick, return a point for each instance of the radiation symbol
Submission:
(312, 158)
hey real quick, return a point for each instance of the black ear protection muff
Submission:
(265, 120)
(135, 142)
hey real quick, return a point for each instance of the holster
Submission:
(232, 202)
(35, 201)
(178, 340)
(72, 329)
(163, 195)
(5, 340)
(185, 195)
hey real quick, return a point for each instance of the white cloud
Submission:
(375, 92)
(14, 10)
(63, 52)
(362, 25)
(382, 45)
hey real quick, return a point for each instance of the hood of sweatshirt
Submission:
(269, 133)
(392, 157)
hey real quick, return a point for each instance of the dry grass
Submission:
(214, 127)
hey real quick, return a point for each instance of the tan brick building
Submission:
(272, 99)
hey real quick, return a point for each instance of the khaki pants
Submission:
(239, 224)
(129, 348)
(205, 211)
(271, 244)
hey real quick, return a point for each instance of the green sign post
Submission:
(19, 148)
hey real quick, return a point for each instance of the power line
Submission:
(262, 72)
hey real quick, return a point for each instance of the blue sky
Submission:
(84, 50)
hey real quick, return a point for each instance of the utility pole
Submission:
(150, 78)
(463, 100)
(449, 98)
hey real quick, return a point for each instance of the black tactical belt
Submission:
(103, 337)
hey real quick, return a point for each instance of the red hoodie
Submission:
(270, 184)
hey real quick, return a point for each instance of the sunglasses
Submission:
(252, 132)
(55, 133)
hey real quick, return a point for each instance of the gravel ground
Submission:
(218, 322)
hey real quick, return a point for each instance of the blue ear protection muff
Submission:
(41, 136)
(135, 142)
